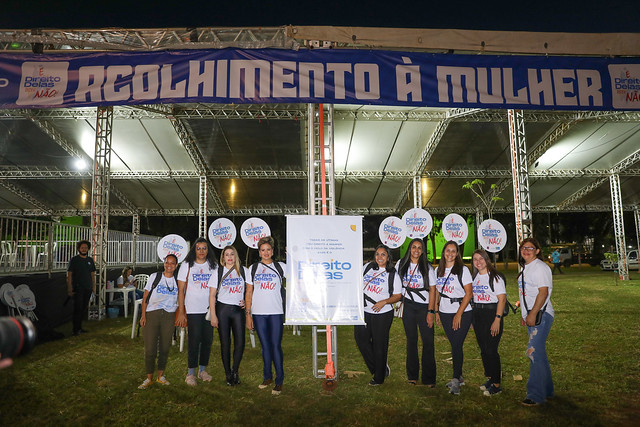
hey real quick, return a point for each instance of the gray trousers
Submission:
(157, 334)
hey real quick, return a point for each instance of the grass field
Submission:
(593, 347)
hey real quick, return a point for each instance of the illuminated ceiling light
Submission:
(424, 185)
(84, 197)
(80, 164)
(233, 188)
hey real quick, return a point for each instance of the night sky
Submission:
(541, 15)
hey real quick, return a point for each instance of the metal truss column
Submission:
(135, 232)
(417, 192)
(202, 208)
(100, 200)
(520, 171)
(636, 215)
(618, 226)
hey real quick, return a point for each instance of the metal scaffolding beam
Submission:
(18, 191)
(618, 226)
(135, 233)
(202, 207)
(49, 129)
(519, 166)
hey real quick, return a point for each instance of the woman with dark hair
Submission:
(226, 294)
(159, 304)
(453, 283)
(418, 299)
(382, 287)
(535, 284)
(126, 280)
(490, 298)
(193, 302)
(264, 286)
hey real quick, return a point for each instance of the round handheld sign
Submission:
(25, 299)
(252, 230)
(417, 223)
(392, 232)
(492, 235)
(172, 244)
(454, 227)
(222, 233)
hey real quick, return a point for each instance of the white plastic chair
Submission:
(9, 253)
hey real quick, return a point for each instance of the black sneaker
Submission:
(529, 402)
(485, 386)
(235, 377)
(373, 383)
(230, 379)
(492, 390)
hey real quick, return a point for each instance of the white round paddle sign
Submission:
(417, 223)
(492, 235)
(454, 227)
(392, 232)
(172, 244)
(252, 230)
(222, 233)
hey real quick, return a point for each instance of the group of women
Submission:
(205, 294)
(451, 297)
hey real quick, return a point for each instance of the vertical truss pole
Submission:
(479, 219)
(636, 215)
(100, 200)
(618, 225)
(135, 232)
(520, 171)
(202, 207)
(417, 194)
(311, 159)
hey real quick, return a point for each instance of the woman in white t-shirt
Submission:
(159, 304)
(453, 284)
(229, 317)
(193, 302)
(418, 314)
(264, 284)
(126, 280)
(489, 300)
(382, 288)
(535, 284)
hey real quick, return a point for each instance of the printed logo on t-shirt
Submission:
(199, 277)
(480, 292)
(233, 285)
(267, 279)
(442, 288)
(413, 282)
(375, 283)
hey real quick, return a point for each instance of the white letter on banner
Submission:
(510, 95)
(221, 78)
(408, 81)
(589, 86)
(248, 68)
(495, 97)
(458, 85)
(148, 72)
(338, 71)
(542, 85)
(280, 78)
(304, 71)
(110, 92)
(166, 81)
(563, 81)
(196, 79)
(363, 73)
(90, 81)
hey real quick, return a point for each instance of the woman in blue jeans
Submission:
(535, 286)
(264, 285)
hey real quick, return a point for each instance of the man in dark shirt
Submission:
(81, 282)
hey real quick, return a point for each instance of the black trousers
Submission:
(373, 342)
(200, 334)
(414, 319)
(80, 304)
(231, 320)
(482, 320)
(456, 338)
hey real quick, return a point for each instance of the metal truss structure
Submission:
(519, 166)
(135, 233)
(618, 226)
(43, 209)
(202, 207)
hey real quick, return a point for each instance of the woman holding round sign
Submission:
(193, 302)
(226, 294)
(265, 303)
(490, 299)
(418, 283)
(535, 284)
(382, 287)
(453, 312)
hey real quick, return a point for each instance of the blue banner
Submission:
(335, 76)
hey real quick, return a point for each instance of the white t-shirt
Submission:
(482, 293)
(164, 296)
(536, 275)
(196, 300)
(120, 281)
(232, 289)
(376, 287)
(453, 288)
(413, 279)
(266, 289)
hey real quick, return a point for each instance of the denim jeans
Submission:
(540, 384)
(270, 328)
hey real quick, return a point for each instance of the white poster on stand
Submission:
(324, 277)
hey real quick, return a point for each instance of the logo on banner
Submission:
(331, 270)
(252, 230)
(625, 85)
(172, 244)
(43, 83)
(417, 222)
(454, 227)
(392, 232)
(222, 233)
(492, 235)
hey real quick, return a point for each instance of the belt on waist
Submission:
(492, 305)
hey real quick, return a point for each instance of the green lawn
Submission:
(594, 350)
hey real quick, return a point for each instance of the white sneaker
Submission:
(145, 384)
(191, 380)
(455, 386)
(204, 376)
(162, 380)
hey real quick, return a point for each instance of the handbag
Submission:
(524, 298)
